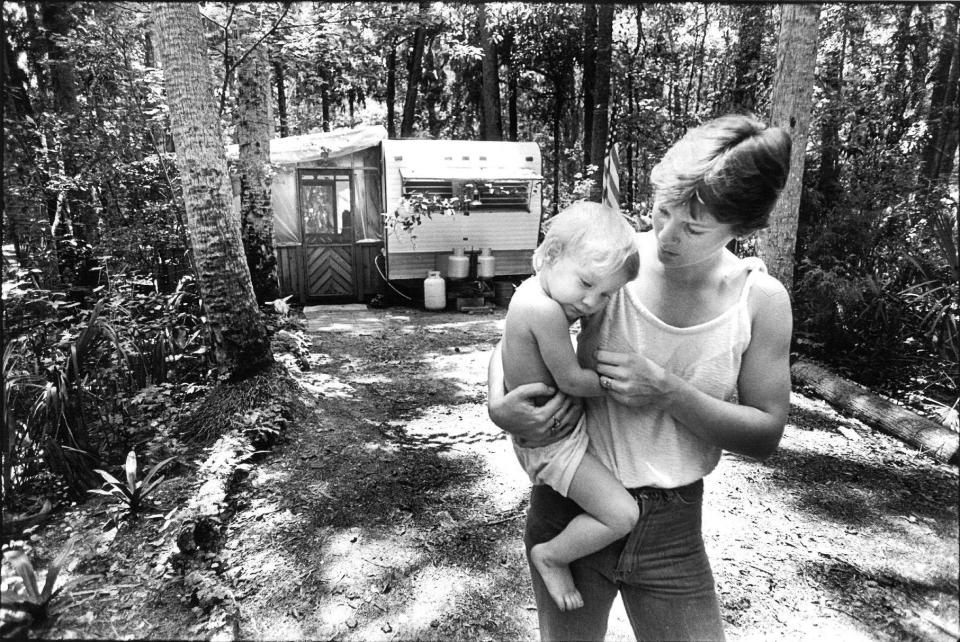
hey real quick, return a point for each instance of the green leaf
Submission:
(23, 567)
(149, 489)
(153, 471)
(131, 469)
(54, 570)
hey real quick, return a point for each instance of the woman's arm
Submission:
(753, 426)
(516, 411)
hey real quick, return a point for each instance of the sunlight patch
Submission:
(467, 430)
(325, 385)
(267, 477)
(373, 379)
(468, 369)
(464, 428)
(434, 592)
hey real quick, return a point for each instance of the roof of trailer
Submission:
(310, 147)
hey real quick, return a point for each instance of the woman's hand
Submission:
(517, 411)
(633, 380)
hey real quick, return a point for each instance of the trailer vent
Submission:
(504, 194)
(431, 188)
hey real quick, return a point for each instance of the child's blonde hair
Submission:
(599, 235)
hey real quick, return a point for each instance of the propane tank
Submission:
(434, 291)
(458, 265)
(485, 264)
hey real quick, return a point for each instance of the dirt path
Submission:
(395, 511)
(398, 514)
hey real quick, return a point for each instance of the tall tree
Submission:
(238, 336)
(746, 64)
(414, 71)
(601, 94)
(391, 89)
(281, 96)
(791, 103)
(588, 62)
(941, 141)
(834, 106)
(492, 121)
(254, 131)
(513, 88)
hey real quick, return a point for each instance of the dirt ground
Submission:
(393, 510)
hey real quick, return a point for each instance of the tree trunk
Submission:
(557, 116)
(791, 102)
(281, 97)
(57, 21)
(254, 131)
(492, 125)
(325, 105)
(601, 95)
(898, 82)
(15, 84)
(828, 183)
(414, 69)
(392, 90)
(512, 86)
(589, 64)
(432, 90)
(920, 432)
(937, 158)
(746, 64)
(238, 336)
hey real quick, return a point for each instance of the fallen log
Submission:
(197, 525)
(886, 416)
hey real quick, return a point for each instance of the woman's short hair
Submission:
(734, 165)
(598, 235)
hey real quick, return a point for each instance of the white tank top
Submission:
(646, 446)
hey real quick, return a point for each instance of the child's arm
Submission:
(550, 328)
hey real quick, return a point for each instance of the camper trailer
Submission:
(497, 188)
(339, 200)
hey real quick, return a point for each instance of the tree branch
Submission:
(239, 61)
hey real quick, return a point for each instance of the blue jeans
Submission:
(661, 570)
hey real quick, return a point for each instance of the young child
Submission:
(588, 254)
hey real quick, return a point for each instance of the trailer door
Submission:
(328, 237)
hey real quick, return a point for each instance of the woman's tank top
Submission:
(646, 446)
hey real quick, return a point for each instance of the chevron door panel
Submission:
(330, 270)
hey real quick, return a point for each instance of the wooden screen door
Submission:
(325, 209)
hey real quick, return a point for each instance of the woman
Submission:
(694, 355)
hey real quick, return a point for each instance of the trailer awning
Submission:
(469, 174)
(324, 145)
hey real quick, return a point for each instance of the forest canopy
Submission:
(100, 294)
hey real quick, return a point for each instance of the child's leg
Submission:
(611, 513)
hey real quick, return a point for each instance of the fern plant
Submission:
(133, 494)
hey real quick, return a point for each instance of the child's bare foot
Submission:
(558, 579)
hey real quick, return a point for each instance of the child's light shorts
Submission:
(556, 463)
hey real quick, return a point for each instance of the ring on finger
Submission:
(605, 382)
(556, 425)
